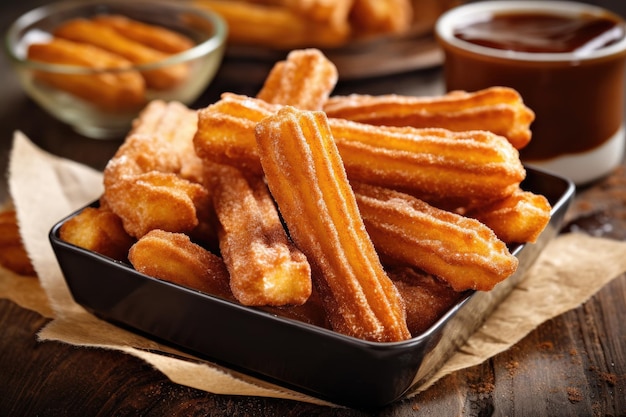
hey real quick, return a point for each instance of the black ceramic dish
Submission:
(296, 355)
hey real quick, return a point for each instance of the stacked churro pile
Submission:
(281, 202)
(290, 24)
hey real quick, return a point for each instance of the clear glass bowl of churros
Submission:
(95, 65)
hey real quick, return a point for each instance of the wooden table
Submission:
(573, 365)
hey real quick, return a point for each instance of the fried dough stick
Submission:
(304, 80)
(426, 298)
(99, 230)
(86, 31)
(306, 177)
(461, 251)
(143, 184)
(429, 163)
(275, 27)
(117, 91)
(155, 37)
(374, 17)
(265, 267)
(331, 12)
(435, 164)
(175, 258)
(497, 109)
(518, 218)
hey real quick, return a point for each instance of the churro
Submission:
(274, 26)
(98, 230)
(426, 298)
(106, 38)
(304, 80)
(431, 163)
(334, 13)
(496, 109)
(518, 218)
(225, 132)
(142, 181)
(376, 17)
(289, 24)
(114, 90)
(156, 37)
(306, 177)
(175, 258)
(265, 267)
(461, 251)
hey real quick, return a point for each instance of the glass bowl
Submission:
(84, 95)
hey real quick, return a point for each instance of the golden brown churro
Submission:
(375, 17)
(497, 109)
(265, 267)
(430, 163)
(98, 230)
(101, 36)
(155, 37)
(426, 298)
(459, 250)
(143, 185)
(173, 257)
(274, 26)
(305, 174)
(304, 80)
(288, 24)
(518, 218)
(116, 91)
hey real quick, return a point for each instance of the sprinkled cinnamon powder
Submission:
(609, 378)
(547, 345)
(574, 395)
(512, 367)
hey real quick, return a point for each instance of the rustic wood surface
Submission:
(573, 365)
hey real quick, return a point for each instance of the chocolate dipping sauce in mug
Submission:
(567, 61)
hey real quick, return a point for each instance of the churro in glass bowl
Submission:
(95, 65)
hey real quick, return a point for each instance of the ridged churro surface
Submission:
(265, 267)
(461, 251)
(430, 163)
(304, 80)
(143, 184)
(174, 257)
(107, 38)
(518, 218)
(307, 179)
(497, 109)
(116, 91)
(98, 230)
(155, 37)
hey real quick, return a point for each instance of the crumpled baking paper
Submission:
(45, 188)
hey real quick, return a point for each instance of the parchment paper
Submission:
(45, 188)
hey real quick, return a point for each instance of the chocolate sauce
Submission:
(578, 101)
(539, 32)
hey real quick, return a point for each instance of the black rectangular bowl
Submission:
(293, 354)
